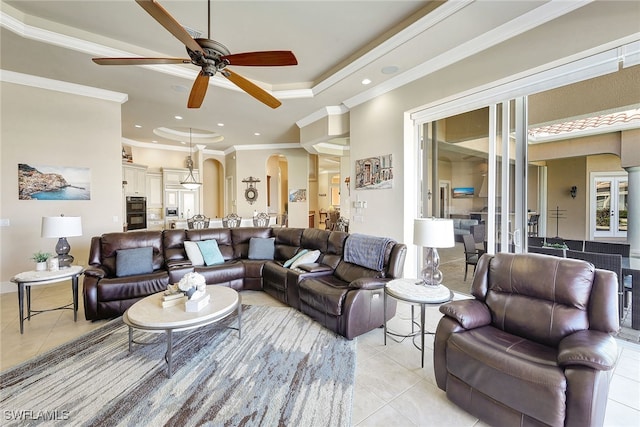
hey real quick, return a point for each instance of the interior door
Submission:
(609, 203)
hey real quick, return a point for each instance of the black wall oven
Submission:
(136, 213)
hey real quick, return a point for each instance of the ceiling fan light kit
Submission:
(211, 56)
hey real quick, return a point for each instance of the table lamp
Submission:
(432, 233)
(62, 227)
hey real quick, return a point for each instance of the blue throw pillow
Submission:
(261, 248)
(290, 261)
(134, 261)
(210, 252)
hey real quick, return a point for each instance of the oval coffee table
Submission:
(148, 315)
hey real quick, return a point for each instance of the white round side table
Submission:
(407, 290)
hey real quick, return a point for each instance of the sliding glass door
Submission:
(480, 157)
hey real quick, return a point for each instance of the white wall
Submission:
(254, 163)
(45, 127)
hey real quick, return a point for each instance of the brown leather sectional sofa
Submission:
(344, 297)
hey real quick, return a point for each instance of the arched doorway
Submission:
(277, 187)
(213, 188)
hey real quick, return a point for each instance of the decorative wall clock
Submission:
(251, 192)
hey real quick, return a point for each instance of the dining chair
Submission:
(604, 261)
(231, 221)
(471, 253)
(197, 222)
(535, 241)
(261, 219)
(623, 249)
(546, 251)
(574, 245)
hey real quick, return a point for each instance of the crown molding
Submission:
(60, 86)
(333, 110)
(421, 25)
(534, 18)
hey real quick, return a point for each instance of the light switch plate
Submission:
(4, 222)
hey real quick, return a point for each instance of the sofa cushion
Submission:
(290, 261)
(134, 261)
(307, 258)
(261, 248)
(210, 252)
(193, 253)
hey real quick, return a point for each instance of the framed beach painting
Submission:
(460, 192)
(39, 182)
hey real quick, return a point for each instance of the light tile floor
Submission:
(391, 387)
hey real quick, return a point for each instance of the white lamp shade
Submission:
(433, 232)
(61, 226)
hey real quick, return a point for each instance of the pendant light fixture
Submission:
(190, 182)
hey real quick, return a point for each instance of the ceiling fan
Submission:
(211, 56)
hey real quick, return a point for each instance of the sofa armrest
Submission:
(368, 283)
(315, 267)
(594, 349)
(469, 313)
(95, 272)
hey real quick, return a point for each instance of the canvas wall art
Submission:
(39, 182)
(374, 173)
(299, 195)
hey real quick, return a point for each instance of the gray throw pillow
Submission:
(134, 261)
(261, 248)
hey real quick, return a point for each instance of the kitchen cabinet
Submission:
(154, 190)
(173, 177)
(135, 177)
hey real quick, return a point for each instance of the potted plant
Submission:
(41, 260)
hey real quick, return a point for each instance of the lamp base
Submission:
(430, 274)
(62, 249)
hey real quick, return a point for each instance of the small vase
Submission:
(41, 266)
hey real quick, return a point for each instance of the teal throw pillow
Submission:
(134, 261)
(290, 261)
(210, 252)
(261, 248)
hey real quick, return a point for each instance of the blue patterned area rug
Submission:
(285, 371)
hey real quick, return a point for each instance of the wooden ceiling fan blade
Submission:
(271, 58)
(198, 91)
(163, 17)
(252, 89)
(140, 61)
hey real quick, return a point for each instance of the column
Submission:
(633, 212)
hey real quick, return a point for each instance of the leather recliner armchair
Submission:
(534, 346)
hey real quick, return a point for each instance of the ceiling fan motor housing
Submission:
(212, 61)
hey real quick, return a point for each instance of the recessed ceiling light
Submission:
(138, 126)
(256, 133)
(183, 143)
(390, 69)
(178, 117)
(220, 124)
(154, 141)
(366, 81)
(180, 88)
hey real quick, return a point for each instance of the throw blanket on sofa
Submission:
(366, 251)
